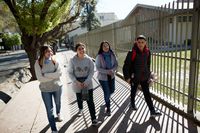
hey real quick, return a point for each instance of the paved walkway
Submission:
(10, 52)
(26, 113)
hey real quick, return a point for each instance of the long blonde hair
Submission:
(43, 50)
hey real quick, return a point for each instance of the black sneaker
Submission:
(155, 114)
(95, 122)
(108, 112)
(80, 112)
(133, 107)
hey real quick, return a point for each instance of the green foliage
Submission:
(11, 39)
(88, 17)
(7, 21)
(30, 15)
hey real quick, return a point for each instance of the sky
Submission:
(123, 7)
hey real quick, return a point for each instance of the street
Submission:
(13, 61)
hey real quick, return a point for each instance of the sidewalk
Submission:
(12, 52)
(26, 112)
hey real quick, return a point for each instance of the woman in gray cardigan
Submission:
(106, 64)
(81, 71)
(48, 74)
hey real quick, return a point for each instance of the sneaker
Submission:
(80, 112)
(108, 112)
(133, 107)
(60, 119)
(155, 114)
(95, 122)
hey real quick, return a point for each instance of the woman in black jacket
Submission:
(136, 71)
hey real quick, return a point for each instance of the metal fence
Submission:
(173, 33)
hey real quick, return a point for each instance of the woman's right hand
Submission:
(110, 72)
(128, 81)
(79, 84)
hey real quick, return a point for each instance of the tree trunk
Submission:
(32, 56)
(31, 51)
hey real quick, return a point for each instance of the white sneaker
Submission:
(80, 112)
(60, 119)
(155, 114)
(95, 122)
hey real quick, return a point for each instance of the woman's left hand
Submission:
(111, 72)
(84, 85)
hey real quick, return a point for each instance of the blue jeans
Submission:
(48, 102)
(108, 88)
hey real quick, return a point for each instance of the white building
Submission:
(107, 18)
(104, 18)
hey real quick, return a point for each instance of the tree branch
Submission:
(45, 9)
(12, 8)
(33, 21)
(56, 30)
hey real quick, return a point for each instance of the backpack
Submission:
(133, 54)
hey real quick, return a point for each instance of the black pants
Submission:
(90, 103)
(145, 90)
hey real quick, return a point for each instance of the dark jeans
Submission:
(145, 90)
(48, 101)
(90, 103)
(108, 88)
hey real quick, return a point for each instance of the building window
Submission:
(179, 18)
(170, 20)
(190, 18)
(102, 17)
(184, 18)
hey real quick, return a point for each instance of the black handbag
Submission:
(84, 92)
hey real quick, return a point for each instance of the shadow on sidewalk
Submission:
(63, 128)
(90, 129)
(4, 97)
(67, 124)
(125, 120)
(93, 129)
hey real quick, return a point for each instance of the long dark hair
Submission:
(101, 47)
(43, 50)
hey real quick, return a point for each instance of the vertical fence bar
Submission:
(197, 86)
(154, 44)
(175, 63)
(168, 45)
(164, 42)
(114, 38)
(193, 58)
(172, 38)
(185, 54)
(180, 53)
(157, 45)
(160, 44)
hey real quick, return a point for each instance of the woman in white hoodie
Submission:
(81, 71)
(48, 74)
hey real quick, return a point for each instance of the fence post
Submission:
(114, 38)
(193, 58)
(136, 25)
